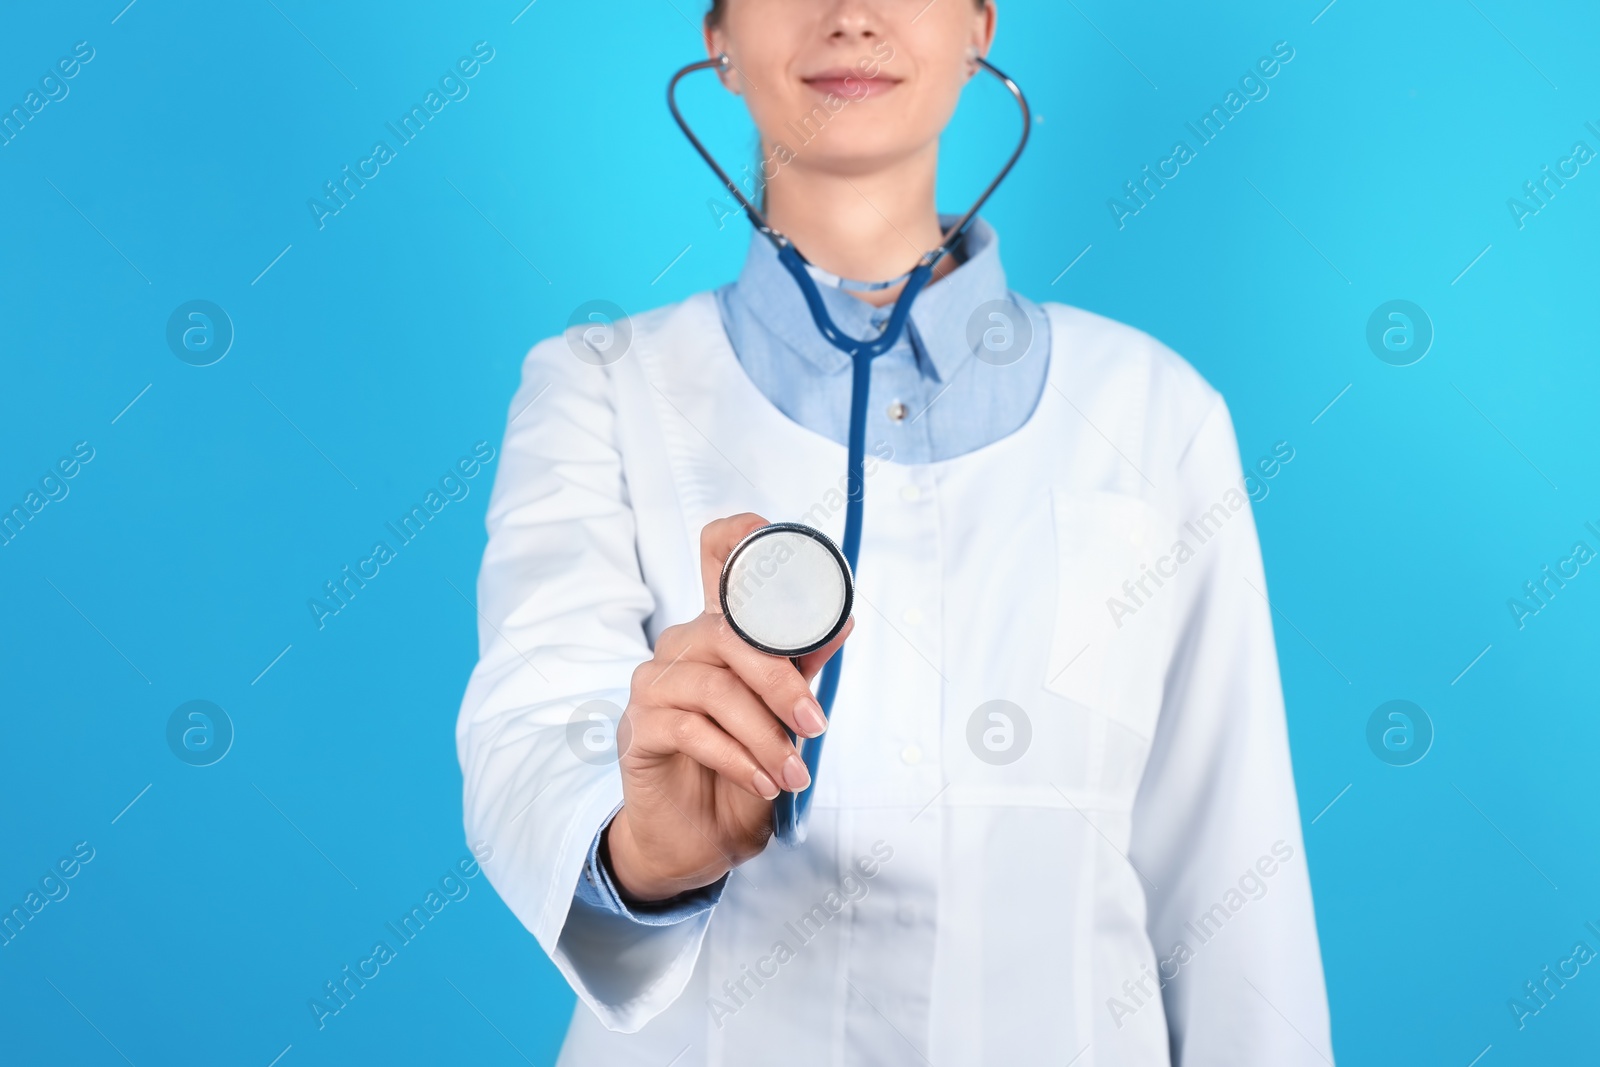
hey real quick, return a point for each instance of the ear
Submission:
(983, 27)
(716, 42)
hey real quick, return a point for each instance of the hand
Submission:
(703, 747)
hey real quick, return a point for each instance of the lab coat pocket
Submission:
(1111, 641)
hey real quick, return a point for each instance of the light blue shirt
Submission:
(968, 370)
(954, 392)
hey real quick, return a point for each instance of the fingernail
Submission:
(765, 786)
(795, 775)
(808, 714)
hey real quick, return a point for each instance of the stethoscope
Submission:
(787, 589)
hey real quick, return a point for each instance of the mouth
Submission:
(850, 84)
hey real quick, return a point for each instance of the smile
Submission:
(850, 84)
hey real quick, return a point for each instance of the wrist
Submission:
(636, 879)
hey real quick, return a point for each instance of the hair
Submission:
(719, 8)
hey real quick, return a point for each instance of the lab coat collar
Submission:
(939, 315)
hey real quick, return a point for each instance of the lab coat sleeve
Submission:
(562, 606)
(1216, 827)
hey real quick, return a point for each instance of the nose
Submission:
(854, 20)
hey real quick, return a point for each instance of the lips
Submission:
(850, 84)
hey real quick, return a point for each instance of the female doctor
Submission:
(1055, 822)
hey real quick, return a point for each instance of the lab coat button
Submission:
(913, 617)
(910, 493)
(911, 754)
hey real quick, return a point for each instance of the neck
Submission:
(865, 227)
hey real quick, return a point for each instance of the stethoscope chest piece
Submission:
(786, 589)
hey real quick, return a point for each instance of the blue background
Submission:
(378, 349)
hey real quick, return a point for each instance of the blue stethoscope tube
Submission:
(789, 810)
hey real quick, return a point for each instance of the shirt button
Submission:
(911, 755)
(910, 493)
(913, 617)
(898, 412)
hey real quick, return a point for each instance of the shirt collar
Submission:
(939, 314)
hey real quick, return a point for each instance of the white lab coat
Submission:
(1134, 882)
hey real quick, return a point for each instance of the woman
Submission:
(1055, 821)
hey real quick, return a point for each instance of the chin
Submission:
(867, 143)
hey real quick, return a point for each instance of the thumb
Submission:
(717, 540)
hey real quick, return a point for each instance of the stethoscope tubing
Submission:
(790, 810)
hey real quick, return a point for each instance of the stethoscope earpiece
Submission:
(725, 71)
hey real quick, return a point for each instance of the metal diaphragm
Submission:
(786, 589)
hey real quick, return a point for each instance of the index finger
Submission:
(717, 540)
